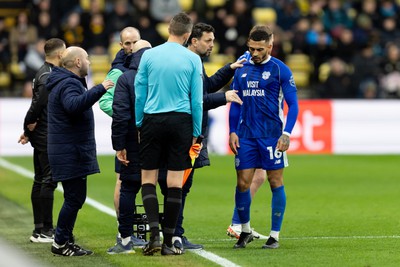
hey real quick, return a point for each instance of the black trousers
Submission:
(74, 197)
(42, 194)
(128, 192)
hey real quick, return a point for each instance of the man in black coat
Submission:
(201, 42)
(71, 141)
(35, 132)
(125, 142)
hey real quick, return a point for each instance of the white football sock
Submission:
(275, 234)
(246, 227)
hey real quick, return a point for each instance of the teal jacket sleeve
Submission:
(197, 97)
(106, 101)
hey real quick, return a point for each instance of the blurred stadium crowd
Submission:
(336, 49)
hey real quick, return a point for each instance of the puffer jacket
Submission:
(119, 65)
(124, 133)
(71, 141)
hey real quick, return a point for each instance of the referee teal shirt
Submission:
(169, 79)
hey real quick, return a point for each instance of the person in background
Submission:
(258, 135)
(128, 37)
(33, 61)
(71, 141)
(21, 36)
(35, 132)
(168, 110)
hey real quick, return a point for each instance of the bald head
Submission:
(140, 44)
(76, 59)
(129, 31)
(129, 36)
(70, 55)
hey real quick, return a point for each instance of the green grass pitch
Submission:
(342, 210)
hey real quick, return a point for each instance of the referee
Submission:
(168, 109)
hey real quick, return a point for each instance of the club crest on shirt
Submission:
(266, 74)
(292, 83)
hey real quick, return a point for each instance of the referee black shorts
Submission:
(165, 140)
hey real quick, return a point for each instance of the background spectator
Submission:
(338, 84)
(21, 36)
(96, 38)
(5, 56)
(366, 67)
(72, 32)
(390, 67)
(118, 18)
(319, 29)
(164, 10)
(33, 60)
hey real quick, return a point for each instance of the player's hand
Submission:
(107, 84)
(283, 143)
(238, 64)
(31, 126)
(234, 143)
(23, 139)
(232, 96)
(121, 156)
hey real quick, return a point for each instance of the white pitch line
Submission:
(97, 205)
(29, 174)
(224, 240)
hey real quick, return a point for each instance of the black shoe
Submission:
(42, 236)
(244, 239)
(271, 243)
(188, 245)
(152, 247)
(178, 242)
(168, 251)
(69, 249)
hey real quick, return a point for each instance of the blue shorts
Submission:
(260, 153)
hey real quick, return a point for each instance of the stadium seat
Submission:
(85, 4)
(323, 71)
(212, 67)
(299, 62)
(162, 29)
(16, 71)
(221, 59)
(301, 67)
(5, 80)
(215, 3)
(113, 49)
(186, 5)
(301, 78)
(264, 15)
(98, 77)
(99, 63)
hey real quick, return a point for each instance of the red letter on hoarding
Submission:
(313, 129)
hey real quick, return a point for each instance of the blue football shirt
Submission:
(263, 88)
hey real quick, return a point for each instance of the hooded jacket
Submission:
(71, 141)
(119, 65)
(124, 133)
